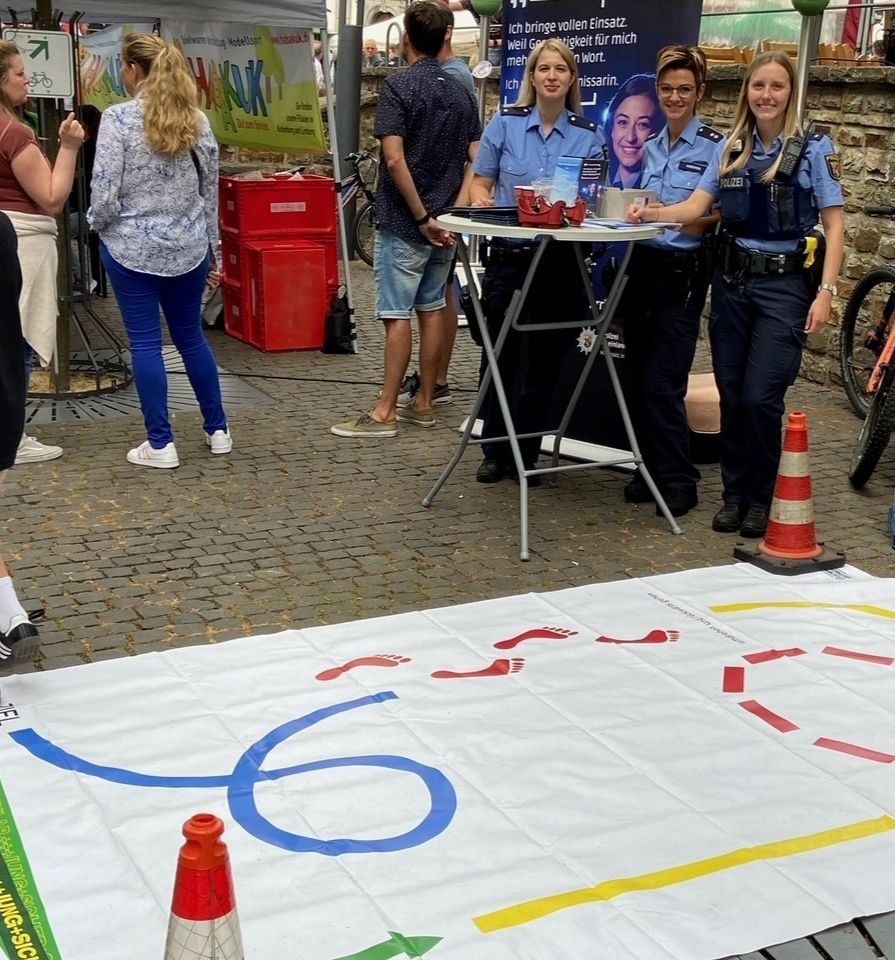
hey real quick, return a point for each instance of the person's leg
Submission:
(666, 373)
(502, 278)
(138, 300)
(781, 305)
(430, 304)
(449, 323)
(398, 343)
(730, 333)
(181, 301)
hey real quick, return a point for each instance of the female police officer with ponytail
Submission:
(772, 182)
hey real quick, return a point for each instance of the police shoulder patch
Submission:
(710, 134)
(834, 165)
(578, 121)
(515, 111)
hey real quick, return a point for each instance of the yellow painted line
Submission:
(868, 608)
(610, 889)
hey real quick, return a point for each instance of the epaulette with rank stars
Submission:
(710, 134)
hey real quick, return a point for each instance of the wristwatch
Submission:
(829, 286)
(425, 218)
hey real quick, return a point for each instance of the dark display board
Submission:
(613, 41)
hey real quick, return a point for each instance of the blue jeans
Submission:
(139, 297)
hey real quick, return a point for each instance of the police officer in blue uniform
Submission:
(520, 145)
(773, 182)
(667, 286)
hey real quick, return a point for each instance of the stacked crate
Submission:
(280, 263)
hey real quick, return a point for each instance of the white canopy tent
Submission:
(291, 13)
(305, 14)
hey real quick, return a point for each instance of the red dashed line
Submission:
(766, 655)
(853, 750)
(734, 679)
(855, 655)
(774, 719)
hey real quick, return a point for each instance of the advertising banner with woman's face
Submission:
(615, 43)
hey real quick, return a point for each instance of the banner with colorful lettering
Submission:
(99, 64)
(256, 84)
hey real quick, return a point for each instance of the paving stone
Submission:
(297, 527)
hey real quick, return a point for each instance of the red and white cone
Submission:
(790, 543)
(204, 924)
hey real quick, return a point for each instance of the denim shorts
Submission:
(408, 276)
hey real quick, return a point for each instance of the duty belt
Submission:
(751, 261)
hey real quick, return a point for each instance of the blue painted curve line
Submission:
(240, 784)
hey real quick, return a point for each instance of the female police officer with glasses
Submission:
(521, 144)
(772, 182)
(667, 285)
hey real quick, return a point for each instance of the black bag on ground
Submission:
(339, 335)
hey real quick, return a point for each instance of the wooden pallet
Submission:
(871, 938)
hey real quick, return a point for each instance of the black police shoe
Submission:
(755, 522)
(636, 491)
(491, 471)
(678, 502)
(728, 518)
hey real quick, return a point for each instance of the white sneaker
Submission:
(31, 450)
(220, 441)
(147, 456)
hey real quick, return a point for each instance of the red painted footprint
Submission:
(539, 633)
(499, 668)
(380, 660)
(654, 636)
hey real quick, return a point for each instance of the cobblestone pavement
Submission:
(298, 527)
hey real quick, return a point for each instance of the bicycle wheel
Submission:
(866, 324)
(364, 228)
(875, 432)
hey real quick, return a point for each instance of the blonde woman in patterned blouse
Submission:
(154, 206)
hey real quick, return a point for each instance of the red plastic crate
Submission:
(236, 264)
(236, 311)
(287, 293)
(271, 207)
(232, 259)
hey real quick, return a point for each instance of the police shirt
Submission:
(675, 170)
(818, 171)
(513, 151)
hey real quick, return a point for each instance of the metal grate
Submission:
(870, 938)
(126, 403)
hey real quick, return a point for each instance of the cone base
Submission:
(829, 559)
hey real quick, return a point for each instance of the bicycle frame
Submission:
(888, 352)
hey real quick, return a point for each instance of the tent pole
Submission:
(338, 173)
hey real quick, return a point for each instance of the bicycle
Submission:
(364, 224)
(867, 362)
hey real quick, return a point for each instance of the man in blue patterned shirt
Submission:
(428, 126)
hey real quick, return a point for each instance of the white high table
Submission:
(598, 315)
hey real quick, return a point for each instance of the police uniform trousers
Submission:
(757, 332)
(12, 348)
(529, 363)
(661, 307)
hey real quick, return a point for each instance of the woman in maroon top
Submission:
(32, 193)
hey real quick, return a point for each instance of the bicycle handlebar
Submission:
(880, 211)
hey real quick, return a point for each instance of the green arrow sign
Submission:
(395, 946)
(38, 47)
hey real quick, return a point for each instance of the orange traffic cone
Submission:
(790, 544)
(203, 924)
